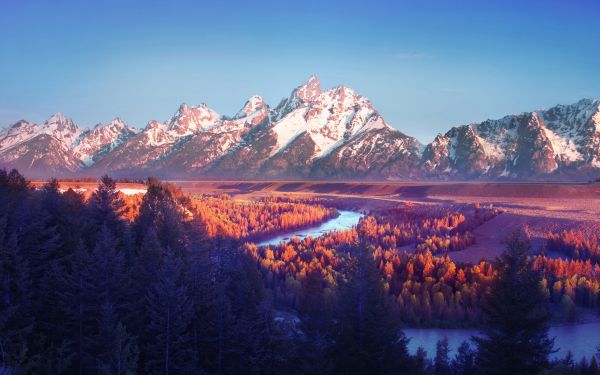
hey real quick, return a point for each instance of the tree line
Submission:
(85, 291)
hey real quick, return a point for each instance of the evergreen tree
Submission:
(160, 212)
(16, 320)
(106, 210)
(170, 311)
(107, 279)
(107, 205)
(117, 352)
(316, 317)
(517, 318)
(369, 339)
(464, 361)
(594, 370)
(148, 261)
(441, 362)
(74, 300)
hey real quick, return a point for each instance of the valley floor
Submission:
(542, 207)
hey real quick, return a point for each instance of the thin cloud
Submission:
(410, 56)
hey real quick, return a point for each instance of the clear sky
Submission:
(425, 65)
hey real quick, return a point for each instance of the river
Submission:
(581, 339)
(345, 220)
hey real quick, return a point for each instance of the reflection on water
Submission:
(346, 220)
(581, 339)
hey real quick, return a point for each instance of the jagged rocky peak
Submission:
(189, 120)
(333, 133)
(308, 91)
(152, 124)
(101, 139)
(61, 123)
(118, 123)
(62, 128)
(254, 104)
(20, 124)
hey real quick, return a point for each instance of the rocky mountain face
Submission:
(312, 134)
(563, 141)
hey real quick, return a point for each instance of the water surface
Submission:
(581, 339)
(346, 220)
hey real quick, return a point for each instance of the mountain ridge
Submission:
(312, 134)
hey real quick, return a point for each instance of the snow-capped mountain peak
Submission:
(253, 104)
(309, 90)
(189, 120)
(312, 133)
(101, 139)
(61, 127)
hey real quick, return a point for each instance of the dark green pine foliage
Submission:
(119, 350)
(258, 345)
(316, 319)
(170, 313)
(148, 261)
(106, 210)
(369, 339)
(73, 298)
(517, 317)
(106, 284)
(106, 205)
(16, 320)
(160, 211)
(441, 362)
(201, 277)
(464, 361)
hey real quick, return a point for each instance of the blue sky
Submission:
(425, 65)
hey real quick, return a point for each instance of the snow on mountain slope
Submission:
(312, 133)
(17, 133)
(198, 152)
(330, 118)
(61, 128)
(190, 120)
(101, 139)
(562, 139)
(58, 126)
(39, 155)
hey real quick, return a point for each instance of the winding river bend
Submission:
(581, 339)
(345, 220)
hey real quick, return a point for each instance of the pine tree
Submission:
(106, 209)
(107, 204)
(594, 370)
(464, 361)
(74, 300)
(369, 339)
(107, 277)
(16, 321)
(118, 353)
(160, 211)
(316, 317)
(441, 362)
(148, 261)
(170, 311)
(516, 317)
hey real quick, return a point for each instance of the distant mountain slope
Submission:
(561, 141)
(312, 134)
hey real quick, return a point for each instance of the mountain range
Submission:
(312, 134)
